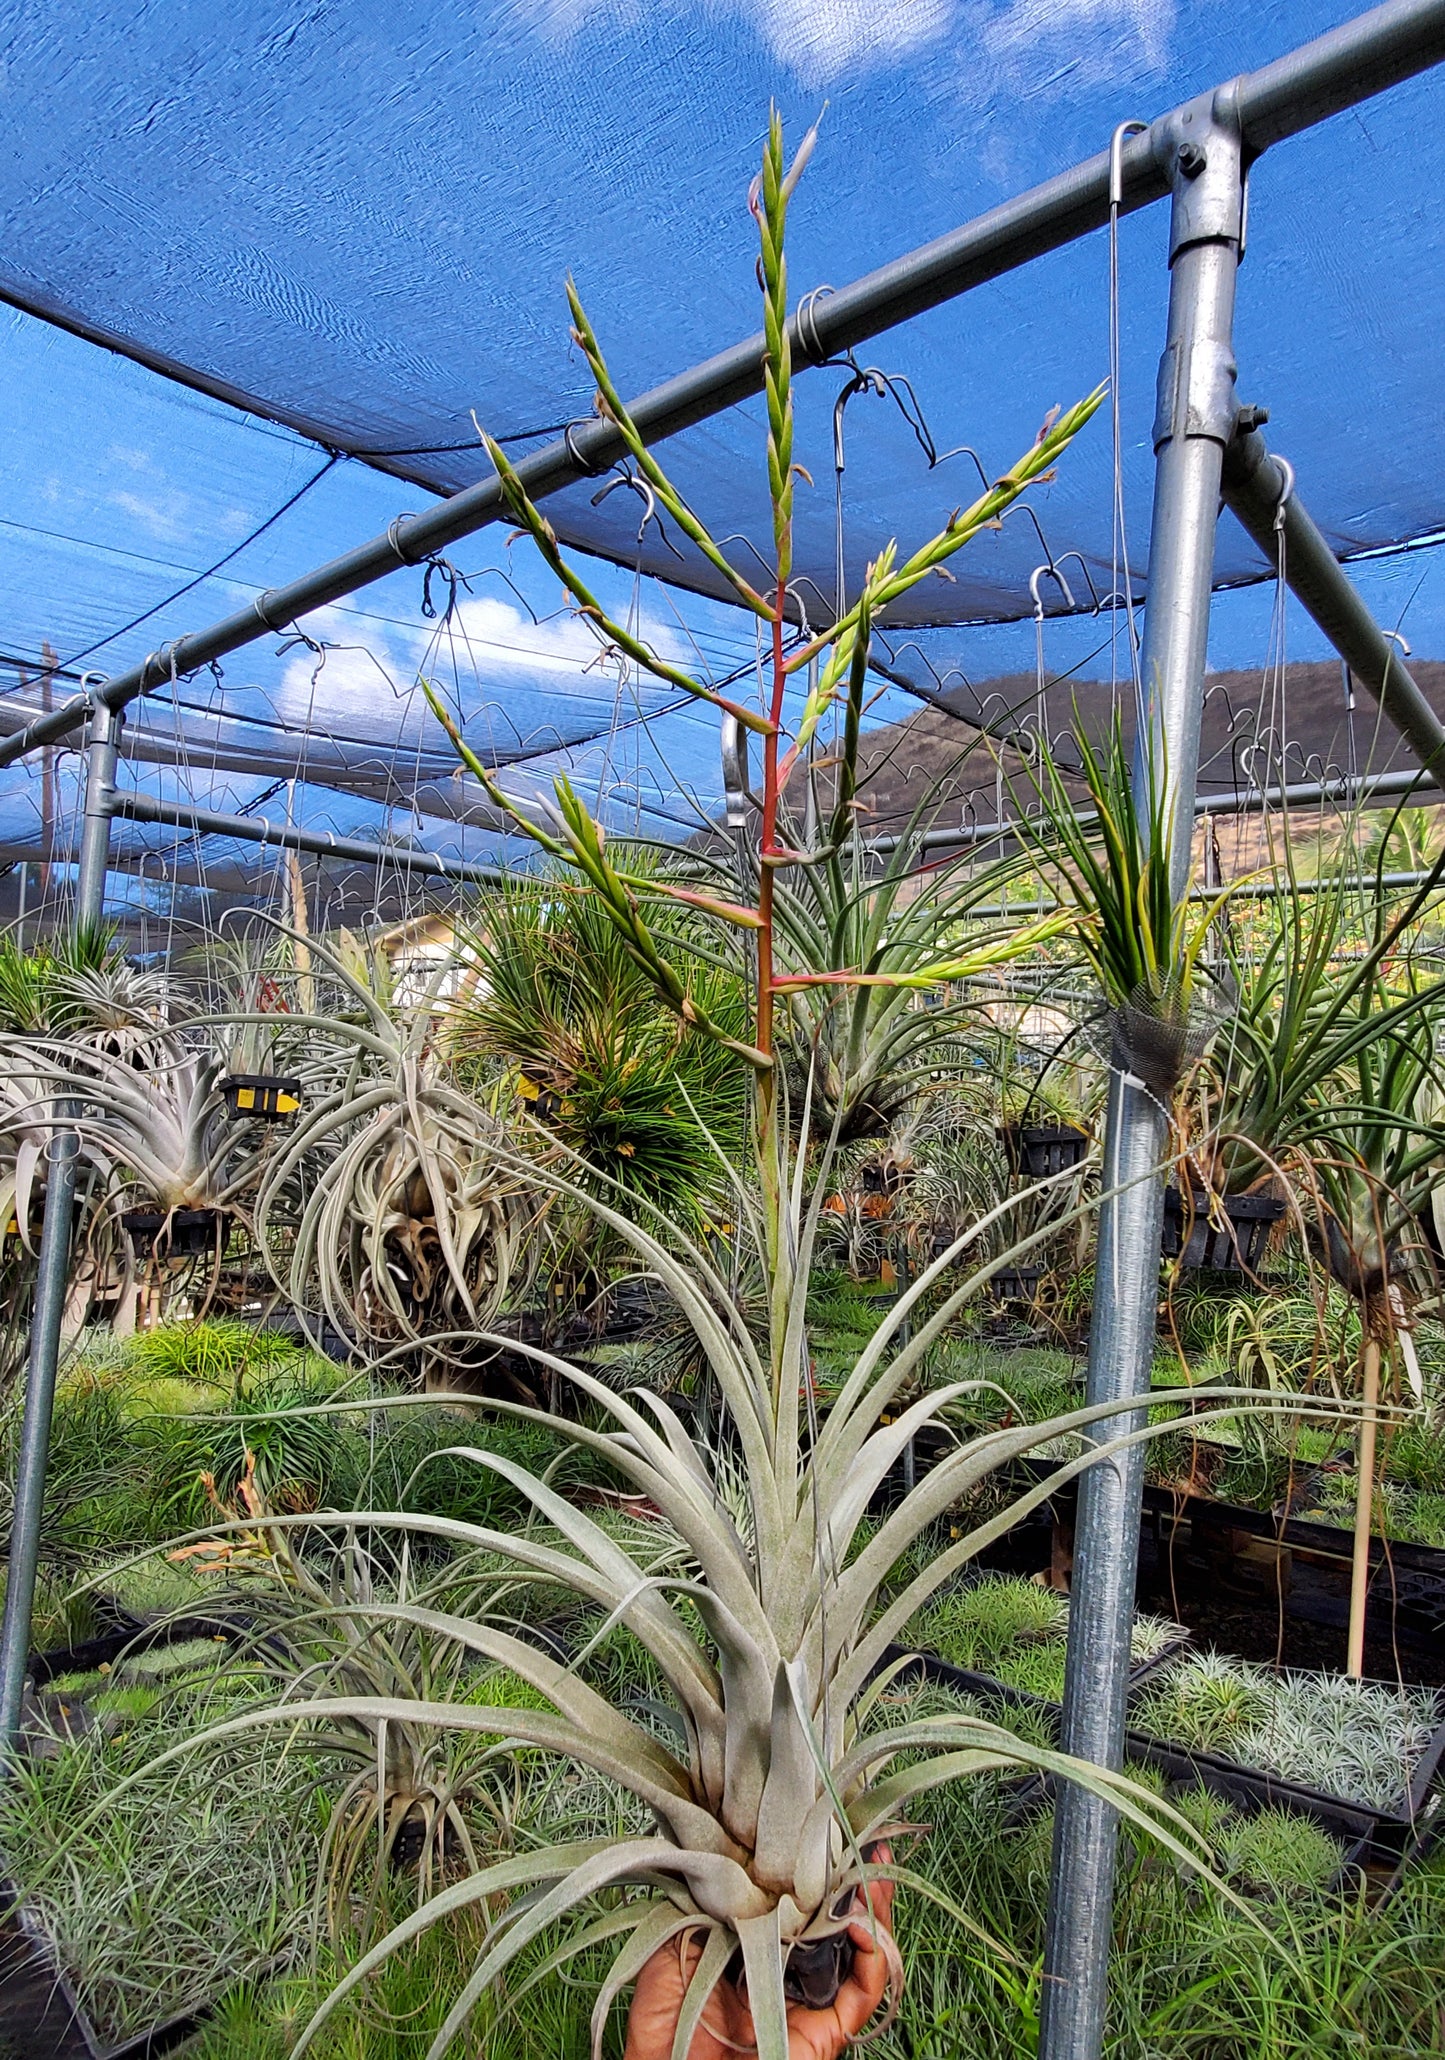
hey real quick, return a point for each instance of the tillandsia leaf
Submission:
(583, 850)
(885, 1800)
(592, 1714)
(761, 1940)
(660, 1922)
(612, 406)
(628, 1861)
(860, 1581)
(711, 1967)
(1053, 439)
(544, 537)
(1000, 948)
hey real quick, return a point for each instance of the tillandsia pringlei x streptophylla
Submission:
(776, 1787)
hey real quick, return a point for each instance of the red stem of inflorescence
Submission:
(768, 844)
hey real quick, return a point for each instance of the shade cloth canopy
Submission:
(353, 225)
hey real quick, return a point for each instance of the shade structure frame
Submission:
(1321, 78)
(1194, 425)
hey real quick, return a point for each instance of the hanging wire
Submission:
(211, 570)
(1120, 541)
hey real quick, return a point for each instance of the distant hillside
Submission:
(931, 748)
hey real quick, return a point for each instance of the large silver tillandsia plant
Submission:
(396, 1218)
(775, 1781)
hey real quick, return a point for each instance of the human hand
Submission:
(727, 2026)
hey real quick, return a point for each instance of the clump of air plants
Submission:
(1359, 1740)
(1208, 1701)
(1278, 1852)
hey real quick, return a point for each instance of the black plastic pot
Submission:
(1015, 1283)
(1036, 1150)
(815, 1971)
(262, 1097)
(181, 1232)
(1234, 1245)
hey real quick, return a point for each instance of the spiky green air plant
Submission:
(1113, 863)
(33, 1001)
(562, 1011)
(1326, 1055)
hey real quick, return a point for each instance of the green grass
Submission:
(1014, 1631)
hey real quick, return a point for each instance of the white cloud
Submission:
(1092, 39)
(816, 39)
(820, 40)
(162, 516)
(495, 643)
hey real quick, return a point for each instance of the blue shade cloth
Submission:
(361, 217)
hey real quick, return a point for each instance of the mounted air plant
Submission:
(79, 985)
(1143, 941)
(776, 1809)
(157, 1156)
(410, 1230)
(28, 1118)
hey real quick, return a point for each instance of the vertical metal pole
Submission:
(53, 1274)
(1194, 421)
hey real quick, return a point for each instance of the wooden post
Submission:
(1364, 1511)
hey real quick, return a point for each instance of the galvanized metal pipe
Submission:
(1194, 421)
(214, 822)
(52, 1274)
(1259, 492)
(1253, 801)
(50, 1291)
(1338, 70)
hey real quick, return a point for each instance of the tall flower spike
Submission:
(770, 205)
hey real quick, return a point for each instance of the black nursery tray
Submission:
(988, 1687)
(1406, 1580)
(40, 2016)
(130, 1634)
(1390, 1828)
